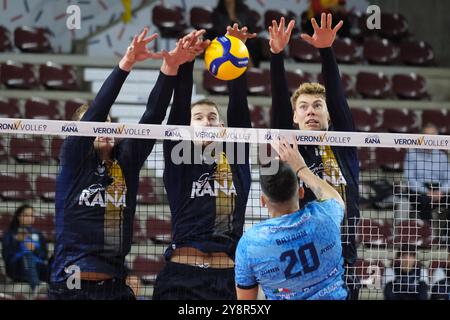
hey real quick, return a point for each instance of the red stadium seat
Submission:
(32, 39)
(5, 39)
(46, 224)
(436, 117)
(258, 81)
(380, 51)
(300, 50)
(169, 20)
(28, 150)
(409, 86)
(365, 158)
(295, 79)
(393, 26)
(347, 83)
(399, 121)
(4, 154)
(413, 232)
(5, 221)
(15, 186)
(16, 75)
(273, 14)
(365, 119)
(54, 76)
(71, 106)
(347, 50)
(214, 85)
(373, 232)
(200, 18)
(373, 85)
(148, 267)
(138, 233)
(9, 108)
(255, 17)
(45, 186)
(39, 108)
(370, 273)
(417, 53)
(147, 193)
(159, 231)
(55, 147)
(437, 264)
(390, 159)
(259, 117)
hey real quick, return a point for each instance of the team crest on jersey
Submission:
(207, 184)
(95, 195)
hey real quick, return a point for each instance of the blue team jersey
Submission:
(295, 256)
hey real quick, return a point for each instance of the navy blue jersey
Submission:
(96, 200)
(295, 256)
(207, 201)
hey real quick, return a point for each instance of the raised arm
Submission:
(281, 113)
(290, 154)
(323, 38)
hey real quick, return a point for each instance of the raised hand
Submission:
(279, 35)
(324, 35)
(288, 152)
(195, 41)
(241, 34)
(176, 57)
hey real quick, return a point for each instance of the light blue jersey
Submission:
(295, 256)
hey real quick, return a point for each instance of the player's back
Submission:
(299, 255)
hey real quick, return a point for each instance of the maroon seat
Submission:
(399, 121)
(380, 51)
(169, 20)
(32, 39)
(258, 81)
(347, 50)
(436, 117)
(138, 232)
(159, 231)
(9, 108)
(410, 86)
(374, 233)
(55, 147)
(214, 85)
(54, 76)
(418, 53)
(148, 267)
(71, 106)
(255, 17)
(5, 221)
(437, 264)
(39, 108)
(393, 26)
(347, 83)
(5, 39)
(274, 14)
(200, 18)
(357, 21)
(16, 75)
(30, 150)
(46, 224)
(259, 117)
(15, 186)
(295, 79)
(370, 273)
(300, 50)
(365, 119)
(365, 158)
(146, 193)
(373, 85)
(390, 159)
(4, 154)
(413, 232)
(45, 186)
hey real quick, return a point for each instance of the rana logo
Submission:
(172, 133)
(69, 127)
(374, 139)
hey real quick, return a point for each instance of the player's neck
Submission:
(278, 210)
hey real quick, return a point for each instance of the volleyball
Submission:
(226, 58)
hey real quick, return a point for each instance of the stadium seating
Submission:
(148, 267)
(347, 50)
(365, 158)
(365, 119)
(380, 51)
(39, 108)
(373, 85)
(71, 106)
(32, 39)
(370, 273)
(46, 224)
(4, 152)
(413, 232)
(374, 233)
(399, 121)
(417, 53)
(28, 150)
(5, 39)
(390, 159)
(437, 117)
(393, 26)
(138, 234)
(16, 75)
(347, 83)
(170, 21)
(15, 186)
(54, 76)
(409, 86)
(258, 82)
(9, 108)
(300, 50)
(158, 230)
(256, 17)
(295, 79)
(45, 186)
(146, 193)
(5, 221)
(259, 117)
(200, 18)
(214, 85)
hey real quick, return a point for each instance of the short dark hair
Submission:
(281, 186)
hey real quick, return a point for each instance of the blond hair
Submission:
(312, 88)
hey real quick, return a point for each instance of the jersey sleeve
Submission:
(245, 278)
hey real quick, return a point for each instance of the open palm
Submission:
(138, 50)
(324, 35)
(241, 34)
(279, 35)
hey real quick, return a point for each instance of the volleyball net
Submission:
(403, 191)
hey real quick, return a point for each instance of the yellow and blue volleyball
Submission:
(226, 58)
